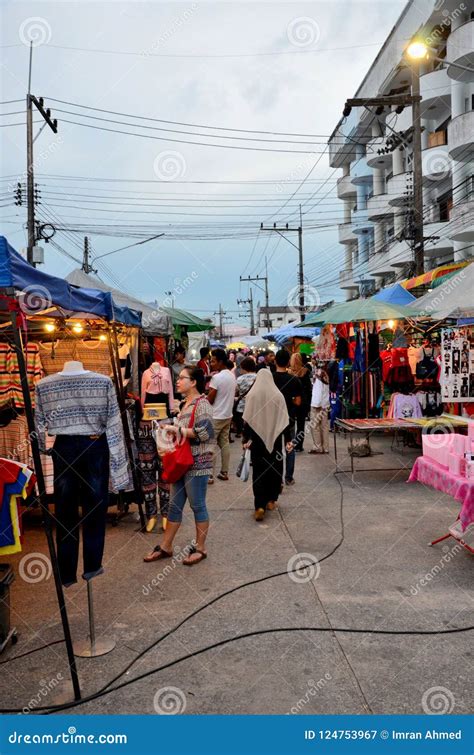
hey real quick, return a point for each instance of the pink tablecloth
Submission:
(429, 472)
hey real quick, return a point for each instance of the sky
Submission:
(277, 67)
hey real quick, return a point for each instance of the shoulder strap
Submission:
(193, 413)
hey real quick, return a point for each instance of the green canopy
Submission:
(359, 310)
(192, 323)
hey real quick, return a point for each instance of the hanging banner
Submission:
(457, 365)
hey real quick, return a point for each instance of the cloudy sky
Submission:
(283, 68)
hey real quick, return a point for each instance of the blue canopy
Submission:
(40, 291)
(287, 332)
(395, 295)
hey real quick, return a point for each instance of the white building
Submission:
(276, 317)
(377, 189)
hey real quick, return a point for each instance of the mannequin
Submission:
(157, 386)
(80, 408)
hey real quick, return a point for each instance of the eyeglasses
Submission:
(184, 377)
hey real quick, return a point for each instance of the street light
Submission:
(417, 50)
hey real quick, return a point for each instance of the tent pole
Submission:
(115, 359)
(47, 518)
(367, 377)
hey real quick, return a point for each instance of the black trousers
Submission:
(81, 480)
(267, 471)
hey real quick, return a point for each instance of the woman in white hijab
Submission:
(265, 423)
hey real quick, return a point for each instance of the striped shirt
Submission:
(83, 405)
(202, 446)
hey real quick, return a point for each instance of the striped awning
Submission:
(431, 275)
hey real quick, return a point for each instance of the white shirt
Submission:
(320, 395)
(224, 383)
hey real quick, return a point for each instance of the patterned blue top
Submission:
(83, 405)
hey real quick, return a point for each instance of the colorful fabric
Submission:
(10, 380)
(203, 445)
(83, 405)
(430, 472)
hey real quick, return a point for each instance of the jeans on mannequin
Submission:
(81, 479)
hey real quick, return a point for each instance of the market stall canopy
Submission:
(287, 332)
(395, 295)
(155, 322)
(426, 279)
(453, 298)
(358, 310)
(192, 323)
(39, 291)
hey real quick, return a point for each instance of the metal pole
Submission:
(301, 273)
(30, 185)
(252, 321)
(417, 172)
(90, 604)
(47, 520)
(267, 296)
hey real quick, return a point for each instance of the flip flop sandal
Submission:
(157, 554)
(197, 561)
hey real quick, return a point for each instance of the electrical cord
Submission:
(107, 689)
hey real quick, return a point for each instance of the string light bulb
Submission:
(50, 327)
(102, 337)
(77, 327)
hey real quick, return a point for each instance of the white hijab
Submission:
(265, 409)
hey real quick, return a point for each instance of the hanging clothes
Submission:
(16, 482)
(10, 379)
(94, 355)
(157, 386)
(151, 472)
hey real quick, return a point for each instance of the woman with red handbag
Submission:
(188, 466)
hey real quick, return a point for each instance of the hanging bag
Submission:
(180, 460)
(427, 369)
(243, 470)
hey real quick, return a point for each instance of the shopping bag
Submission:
(243, 470)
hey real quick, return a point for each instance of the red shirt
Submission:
(203, 364)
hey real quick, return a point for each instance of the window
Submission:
(445, 203)
(437, 138)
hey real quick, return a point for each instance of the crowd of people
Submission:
(264, 400)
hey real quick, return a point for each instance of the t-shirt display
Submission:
(457, 364)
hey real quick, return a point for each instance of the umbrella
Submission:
(236, 345)
(359, 310)
(287, 332)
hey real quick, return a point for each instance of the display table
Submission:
(430, 472)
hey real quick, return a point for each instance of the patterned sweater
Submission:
(202, 446)
(83, 405)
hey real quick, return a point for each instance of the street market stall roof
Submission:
(438, 272)
(192, 323)
(358, 310)
(154, 321)
(41, 292)
(287, 332)
(454, 298)
(395, 295)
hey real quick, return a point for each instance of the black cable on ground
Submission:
(33, 650)
(107, 689)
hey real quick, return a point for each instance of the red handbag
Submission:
(180, 460)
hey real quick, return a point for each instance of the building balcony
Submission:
(460, 50)
(435, 89)
(361, 173)
(361, 222)
(437, 241)
(461, 137)
(399, 253)
(400, 189)
(436, 162)
(379, 264)
(346, 233)
(378, 207)
(345, 187)
(461, 221)
(346, 279)
(374, 160)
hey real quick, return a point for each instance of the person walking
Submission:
(299, 370)
(221, 397)
(244, 383)
(266, 422)
(290, 386)
(193, 485)
(319, 411)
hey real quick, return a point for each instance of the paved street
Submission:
(372, 581)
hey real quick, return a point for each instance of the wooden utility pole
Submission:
(256, 279)
(299, 230)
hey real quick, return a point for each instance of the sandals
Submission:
(157, 554)
(223, 476)
(193, 550)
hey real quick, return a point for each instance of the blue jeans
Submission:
(290, 456)
(193, 489)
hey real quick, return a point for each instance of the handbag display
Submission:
(426, 368)
(180, 460)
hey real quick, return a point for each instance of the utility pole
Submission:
(86, 266)
(249, 301)
(256, 279)
(400, 101)
(299, 230)
(221, 314)
(30, 190)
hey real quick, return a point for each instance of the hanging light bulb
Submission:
(102, 337)
(50, 327)
(77, 327)
(391, 324)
